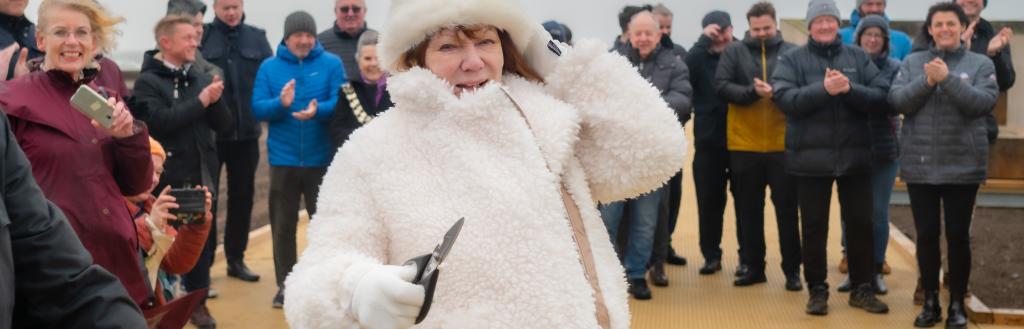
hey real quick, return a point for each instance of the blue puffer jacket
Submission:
(899, 42)
(319, 76)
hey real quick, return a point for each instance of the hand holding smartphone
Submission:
(93, 105)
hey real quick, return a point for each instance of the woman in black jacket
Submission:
(361, 100)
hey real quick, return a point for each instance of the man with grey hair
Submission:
(664, 17)
(657, 63)
(341, 38)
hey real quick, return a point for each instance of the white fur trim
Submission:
(412, 21)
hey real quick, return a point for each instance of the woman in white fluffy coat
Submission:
(400, 182)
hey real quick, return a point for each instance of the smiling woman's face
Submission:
(467, 62)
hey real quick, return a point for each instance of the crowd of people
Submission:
(551, 148)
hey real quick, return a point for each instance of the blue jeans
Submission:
(643, 216)
(883, 177)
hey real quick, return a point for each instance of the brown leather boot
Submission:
(201, 317)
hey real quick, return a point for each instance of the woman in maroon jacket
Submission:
(82, 167)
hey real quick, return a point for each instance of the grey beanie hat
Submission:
(821, 8)
(873, 21)
(299, 21)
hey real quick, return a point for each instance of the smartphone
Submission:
(190, 201)
(93, 105)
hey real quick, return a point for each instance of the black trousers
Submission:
(711, 175)
(926, 203)
(667, 217)
(815, 197)
(751, 174)
(240, 158)
(287, 186)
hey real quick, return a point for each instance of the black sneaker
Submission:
(674, 258)
(864, 298)
(638, 288)
(818, 303)
(711, 267)
(750, 279)
(793, 282)
(742, 270)
(278, 299)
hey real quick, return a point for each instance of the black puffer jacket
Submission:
(238, 51)
(885, 122)
(667, 73)
(168, 101)
(827, 136)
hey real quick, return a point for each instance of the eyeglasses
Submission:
(80, 34)
(350, 9)
(872, 35)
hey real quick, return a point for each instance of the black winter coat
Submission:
(827, 136)
(709, 110)
(344, 122)
(21, 31)
(47, 278)
(238, 51)
(667, 73)
(885, 122)
(168, 101)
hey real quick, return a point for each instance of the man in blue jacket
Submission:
(900, 43)
(295, 93)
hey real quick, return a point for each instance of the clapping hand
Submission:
(212, 92)
(308, 113)
(1000, 41)
(936, 71)
(762, 88)
(835, 82)
(288, 94)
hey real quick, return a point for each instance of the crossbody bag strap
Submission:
(579, 234)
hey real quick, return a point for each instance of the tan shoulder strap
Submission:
(579, 235)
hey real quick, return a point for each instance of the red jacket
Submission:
(82, 170)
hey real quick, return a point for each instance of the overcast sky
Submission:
(586, 18)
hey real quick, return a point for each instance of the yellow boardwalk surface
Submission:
(691, 300)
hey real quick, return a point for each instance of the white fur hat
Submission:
(412, 21)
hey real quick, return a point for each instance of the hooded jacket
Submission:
(47, 278)
(82, 169)
(404, 178)
(755, 124)
(238, 51)
(900, 44)
(827, 136)
(667, 73)
(168, 101)
(291, 142)
(944, 135)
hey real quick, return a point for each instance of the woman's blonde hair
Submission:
(101, 22)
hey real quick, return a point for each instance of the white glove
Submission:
(385, 299)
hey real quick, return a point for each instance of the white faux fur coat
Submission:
(400, 182)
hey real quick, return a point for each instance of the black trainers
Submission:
(864, 298)
(742, 270)
(793, 282)
(674, 258)
(750, 279)
(818, 303)
(711, 266)
(639, 290)
(278, 299)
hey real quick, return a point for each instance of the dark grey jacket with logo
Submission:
(827, 136)
(944, 136)
(47, 278)
(663, 69)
